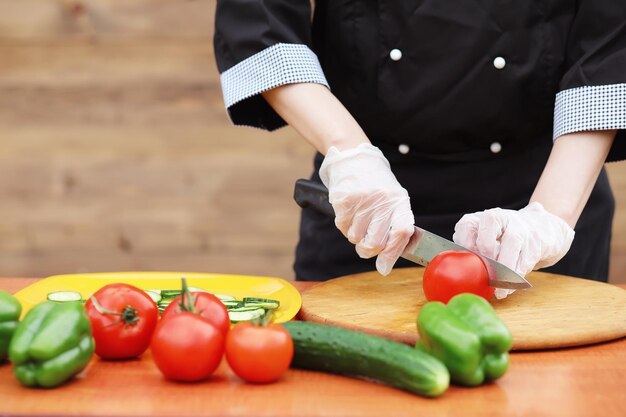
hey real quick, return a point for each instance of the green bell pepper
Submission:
(52, 344)
(467, 336)
(10, 310)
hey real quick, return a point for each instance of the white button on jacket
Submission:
(499, 62)
(403, 149)
(395, 54)
(495, 147)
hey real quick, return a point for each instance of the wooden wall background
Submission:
(116, 152)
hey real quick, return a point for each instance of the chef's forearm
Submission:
(571, 172)
(317, 115)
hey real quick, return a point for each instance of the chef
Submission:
(488, 122)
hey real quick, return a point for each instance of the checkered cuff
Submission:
(280, 64)
(586, 108)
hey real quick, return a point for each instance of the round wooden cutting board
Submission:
(558, 311)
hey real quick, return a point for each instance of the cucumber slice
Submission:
(245, 308)
(155, 295)
(266, 303)
(225, 297)
(196, 289)
(64, 296)
(171, 293)
(232, 304)
(238, 316)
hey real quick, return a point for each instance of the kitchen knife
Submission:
(422, 247)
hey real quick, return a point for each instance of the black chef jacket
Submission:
(463, 98)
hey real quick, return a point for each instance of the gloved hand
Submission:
(523, 240)
(371, 208)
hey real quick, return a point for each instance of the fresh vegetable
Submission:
(64, 296)
(52, 344)
(202, 303)
(188, 343)
(259, 353)
(340, 351)
(187, 347)
(10, 310)
(243, 314)
(455, 272)
(155, 295)
(265, 303)
(123, 319)
(467, 336)
(248, 309)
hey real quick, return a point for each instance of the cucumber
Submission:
(63, 296)
(155, 295)
(339, 351)
(245, 308)
(225, 297)
(248, 309)
(266, 303)
(170, 293)
(245, 315)
(196, 289)
(232, 304)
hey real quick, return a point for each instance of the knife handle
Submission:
(312, 194)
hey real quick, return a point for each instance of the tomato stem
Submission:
(187, 301)
(128, 316)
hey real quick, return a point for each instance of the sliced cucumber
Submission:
(232, 304)
(170, 293)
(266, 303)
(246, 308)
(247, 315)
(64, 296)
(196, 289)
(225, 297)
(155, 295)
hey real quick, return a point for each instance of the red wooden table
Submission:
(587, 381)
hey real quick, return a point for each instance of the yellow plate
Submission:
(238, 286)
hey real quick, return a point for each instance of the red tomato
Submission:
(207, 305)
(455, 272)
(259, 354)
(122, 321)
(186, 347)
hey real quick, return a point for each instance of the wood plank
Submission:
(35, 19)
(123, 142)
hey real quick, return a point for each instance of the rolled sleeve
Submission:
(260, 45)
(592, 93)
(277, 65)
(601, 107)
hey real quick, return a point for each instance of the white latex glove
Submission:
(523, 240)
(371, 208)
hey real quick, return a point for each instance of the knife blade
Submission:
(423, 245)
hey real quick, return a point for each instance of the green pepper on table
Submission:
(52, 344)
(467, 336)
(10, 310)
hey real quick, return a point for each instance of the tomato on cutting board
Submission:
(259, 353)
(206, 305)
(123, 319)
(455, 272)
